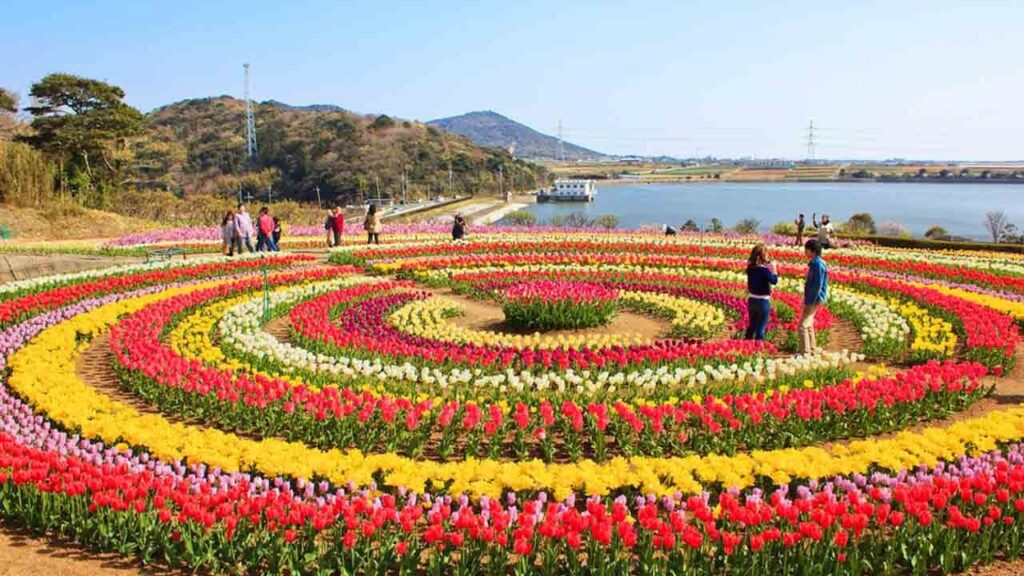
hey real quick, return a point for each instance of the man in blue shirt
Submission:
(815, 294)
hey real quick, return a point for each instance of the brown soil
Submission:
(22, 554)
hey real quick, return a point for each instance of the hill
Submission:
(198, 146)
(492, 129)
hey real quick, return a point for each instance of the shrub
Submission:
(861, 223)
(521, 218)
(893, 228)
(606, 221)
(784, 228)
(747, 226)
(572, 220)
(936, 232)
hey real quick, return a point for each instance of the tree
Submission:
(606, 221)
(995, 223)
(690, 226)
(84, 124)
(10, 124)
(936, 232)
(1012, 236)
(861, 223)
(715, 226)
(8, 101)
(747, 226)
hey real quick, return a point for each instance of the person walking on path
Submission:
(800, 225)
(825, 230)
(227, 234)
(815, 294)
(459, 227)
(372, 225)
(265, 234)
(329, 227)
(338, 225)
(761, 276)
(244, 230)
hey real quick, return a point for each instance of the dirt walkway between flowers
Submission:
(22, 554)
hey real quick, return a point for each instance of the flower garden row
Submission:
(382, 437)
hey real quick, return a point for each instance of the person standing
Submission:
(815, 294)
(459, 227)
(761, 276)
(800, 225)
(265, 233)
(329, 227)
(277, 232)
(825, 230)
(227, 234)
(372, 225)
(244, 229)
(338, 225)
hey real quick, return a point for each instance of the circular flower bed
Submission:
(343, 419)
(554, 305)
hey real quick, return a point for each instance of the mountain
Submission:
(307, 108)
(198, 146)
(492, 129)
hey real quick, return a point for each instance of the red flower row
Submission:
(51, 298)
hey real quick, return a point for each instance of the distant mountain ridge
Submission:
(488, 128)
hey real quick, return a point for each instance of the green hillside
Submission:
(198, 146)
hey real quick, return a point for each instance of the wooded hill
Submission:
(198, 146)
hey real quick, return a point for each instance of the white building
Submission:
(569, 191)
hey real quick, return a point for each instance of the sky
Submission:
(731, 78)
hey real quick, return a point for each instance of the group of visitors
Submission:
(334, 224)
(762, 274)
(825, 229)
(237, 231)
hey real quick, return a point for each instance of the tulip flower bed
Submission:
(552, 305)
(340, 419)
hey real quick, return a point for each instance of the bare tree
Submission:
(995, 223)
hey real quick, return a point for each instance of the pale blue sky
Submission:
(916, 79)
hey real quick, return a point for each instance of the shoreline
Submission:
(950, 181)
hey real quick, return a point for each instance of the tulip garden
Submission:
(354, 414)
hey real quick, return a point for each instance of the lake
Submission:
(959, 208)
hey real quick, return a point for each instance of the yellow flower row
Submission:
(431, 319)
(686, 312)
(931, 333)
(43, 372)
(1015, 309)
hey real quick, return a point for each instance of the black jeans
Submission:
(759, 311)
(373, 237)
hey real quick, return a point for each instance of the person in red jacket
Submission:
(265, 231)
(338, 225)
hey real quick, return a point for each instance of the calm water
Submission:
(959, 208)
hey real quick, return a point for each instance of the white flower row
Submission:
(240, 330)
